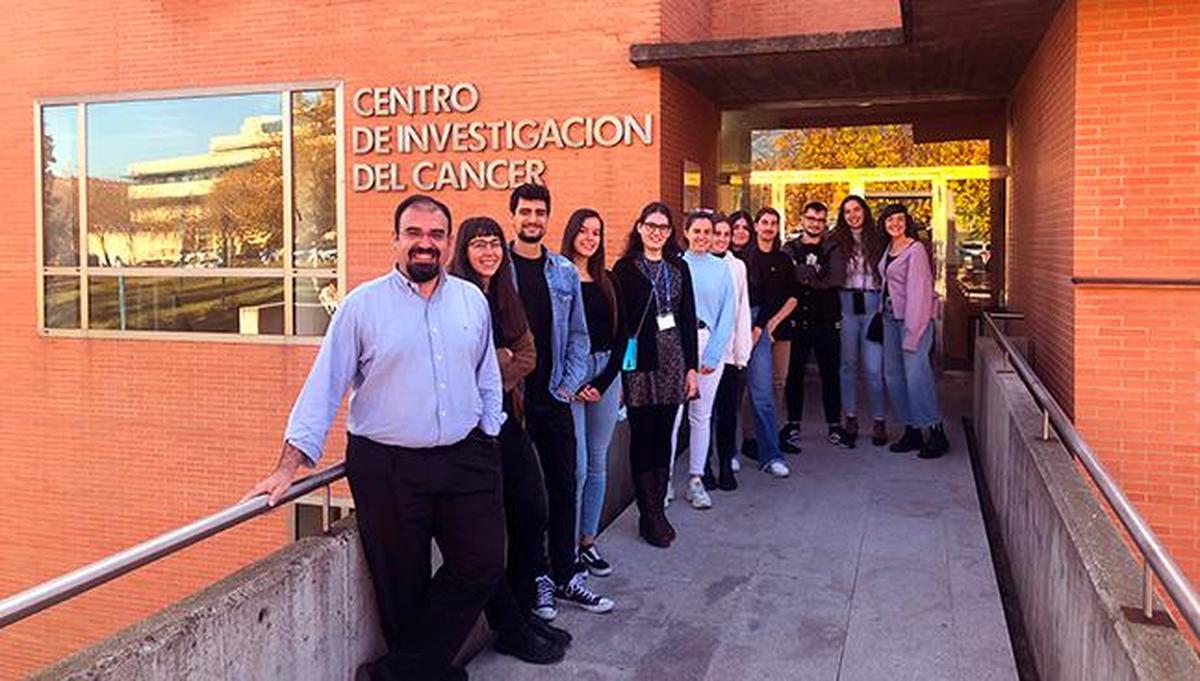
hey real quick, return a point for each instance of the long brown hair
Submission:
(874, 240)
(507, 312)
(595, 263)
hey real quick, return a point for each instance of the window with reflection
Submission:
(185, 228)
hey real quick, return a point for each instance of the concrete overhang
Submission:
(943, 48)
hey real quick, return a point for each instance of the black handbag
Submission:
(875, 328)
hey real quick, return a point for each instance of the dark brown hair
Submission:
(595, 263)
(508, 315)
(873, 240)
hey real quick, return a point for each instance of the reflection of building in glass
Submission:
(203, 210)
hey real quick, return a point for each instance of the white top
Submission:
(738, 352)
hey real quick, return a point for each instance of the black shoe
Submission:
(726, 480)
(591, 559)
(851, 425)
(879, 436)
(709, 480)
(937, 444)
(839, 437)
(525, 643)
(750, 448)
(911, 441)
(546, 630)
(455, 674)
(789, 438)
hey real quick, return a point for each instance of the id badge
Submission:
(629, 363)
(666, 321)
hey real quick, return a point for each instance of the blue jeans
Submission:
(910, 382)
(856, 345)
(762, 400)
(594, 424)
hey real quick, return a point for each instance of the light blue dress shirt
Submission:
(713, 289)
(423, 372)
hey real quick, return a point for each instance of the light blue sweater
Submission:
(714, 303)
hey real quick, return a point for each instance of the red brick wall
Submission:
(691, 131)
(1137, 207)
(686, 20)
(760, 18)
(1040, 249)
(105, 442)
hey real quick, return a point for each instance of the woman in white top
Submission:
(737, 356)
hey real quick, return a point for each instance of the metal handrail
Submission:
(35, 599)
(1156, 560)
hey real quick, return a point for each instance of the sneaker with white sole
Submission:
(577, 592)
(546, 607)
(778, 469)
(698, 495)
(735, 465)
(594, 562)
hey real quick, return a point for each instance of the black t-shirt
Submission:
(772, 280)
(599, 316)
(535, 293)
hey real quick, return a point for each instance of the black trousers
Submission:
(525, 519)
(650, 437)
(726, 410)
(552, 430)
(825, 341)
(403, 499)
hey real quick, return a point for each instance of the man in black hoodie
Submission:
(815, 329)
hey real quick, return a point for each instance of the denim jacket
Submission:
(570, 344)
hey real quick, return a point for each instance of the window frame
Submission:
(288, 273)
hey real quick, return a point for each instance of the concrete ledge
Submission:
(1072, 572)
(306, 611)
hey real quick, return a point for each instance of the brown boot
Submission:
(879, 436)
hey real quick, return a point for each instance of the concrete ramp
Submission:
(863, 565)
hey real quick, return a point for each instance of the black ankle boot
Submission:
(911, 441)
(937, 444)
(726, 480)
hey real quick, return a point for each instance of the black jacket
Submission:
(817, 303)
(620, 339)
(636, 294)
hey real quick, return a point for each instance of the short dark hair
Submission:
(815, 206)
(530, 192)
(422, 201)
(766, 210)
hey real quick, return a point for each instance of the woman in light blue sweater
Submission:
(715, 302)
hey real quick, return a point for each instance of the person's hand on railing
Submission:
(275, 484)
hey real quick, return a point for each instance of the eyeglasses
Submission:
(659, 227)
(435, 234)
(485, 244)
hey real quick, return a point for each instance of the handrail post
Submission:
(1147, 589)
(325, 511)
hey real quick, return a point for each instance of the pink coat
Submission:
(910, 285)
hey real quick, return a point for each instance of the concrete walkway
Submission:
(863, 565)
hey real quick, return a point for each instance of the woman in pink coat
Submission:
(907, 315)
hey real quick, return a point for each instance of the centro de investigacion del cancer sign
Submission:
(416, 139)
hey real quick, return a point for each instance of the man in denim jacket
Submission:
(550, 290)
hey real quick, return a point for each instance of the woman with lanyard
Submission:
(772, 279)
(856, 245)
(737, 355)
(907, 320)
(659, 358)
(715, 300)
(481, 257)
(597, 403)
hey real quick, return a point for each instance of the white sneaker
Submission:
(546, 607)
(778, 469)
(698, 495)
(735, 465)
